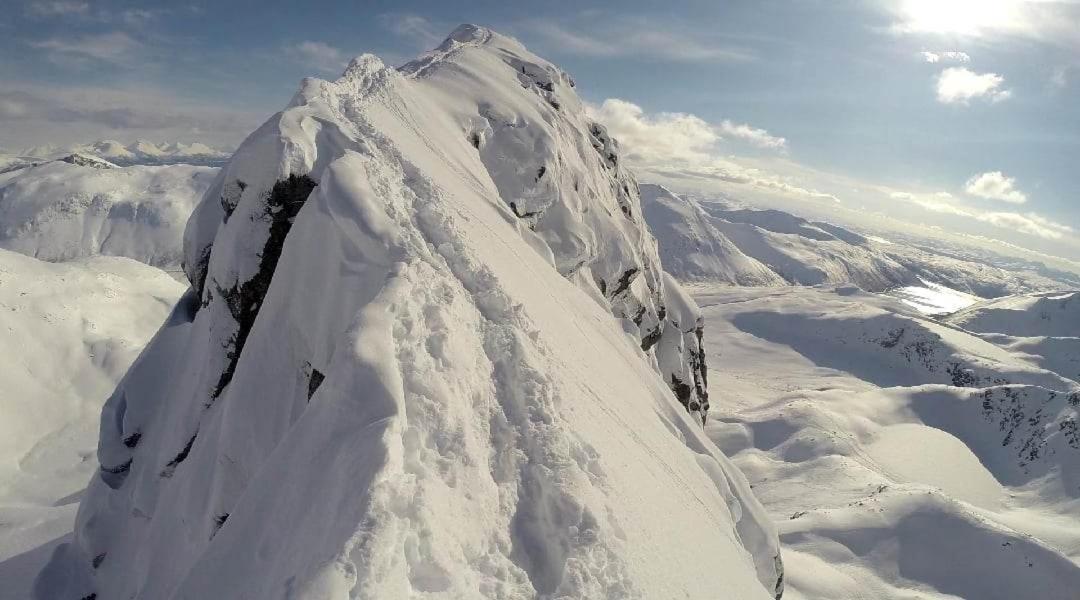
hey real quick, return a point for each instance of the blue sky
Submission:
(955, 116)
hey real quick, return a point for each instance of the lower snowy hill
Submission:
(1045, 314)
(717, 239)
(429, 351)
(69, 333)
(901, 458)
(1044, 327)
(80, 206)
(692, 248)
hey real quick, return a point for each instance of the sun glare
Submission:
(961, 17)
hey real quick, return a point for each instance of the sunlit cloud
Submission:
(1028, 223)
(957, 85)
(995, 186)
(950, 56)
(756, 137)
(685, 146)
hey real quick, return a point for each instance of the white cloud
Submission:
(684, 146)
(957, 85)
(950, 56)
(656, 138)
(994, 185)
(1029, 223)
(756, 137)
(318, 55)
(115, 47)
(609, 38)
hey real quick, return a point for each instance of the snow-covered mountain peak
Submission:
(428, 351)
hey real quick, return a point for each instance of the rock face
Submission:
(397, 371)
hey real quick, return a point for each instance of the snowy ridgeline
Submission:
(397, 372)
(79, 206)
(708, 241)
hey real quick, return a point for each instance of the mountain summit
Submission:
(428, 351)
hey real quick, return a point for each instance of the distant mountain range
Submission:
(139, 152)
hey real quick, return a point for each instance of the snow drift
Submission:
(397, 373)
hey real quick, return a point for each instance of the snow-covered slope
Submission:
(1054, 314)
(69, 332)
(712, 239)
(1044, 327)
(404, 378)
(139, 152)
(692, 248)
(902, 458)
(81, 206)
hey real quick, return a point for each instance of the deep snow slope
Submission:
(403, 377)
(80, 206)
(68, 333)
(692, 248)
(901, 458)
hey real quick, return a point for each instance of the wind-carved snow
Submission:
(403, 376)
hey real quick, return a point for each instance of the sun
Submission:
(959, 17)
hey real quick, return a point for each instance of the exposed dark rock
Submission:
(523, 215)
(778, 564)
(100, 558)
(961, 377)
(244, 300)
(651, 338)
(218, 522)
(230, 197)
(624, 281)
(114, 476)
(133, 440)
(314, 382)
(197, 273)
(179, 458)
(682, 391)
